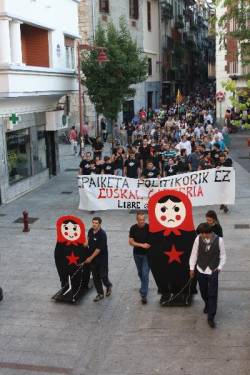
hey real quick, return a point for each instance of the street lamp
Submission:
(101, 58)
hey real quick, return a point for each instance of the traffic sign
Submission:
(220, 96)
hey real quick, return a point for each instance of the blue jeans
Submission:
(142, 266)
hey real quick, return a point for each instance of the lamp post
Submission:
(102, 58)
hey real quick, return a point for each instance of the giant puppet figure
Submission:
(70, 253)
(172, 235)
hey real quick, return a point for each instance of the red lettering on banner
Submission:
(189, 191)
(101, 192)
(200, 192)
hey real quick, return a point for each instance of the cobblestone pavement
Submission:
(118, 336)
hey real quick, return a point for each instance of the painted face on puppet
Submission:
(70, 231)
(170, 212)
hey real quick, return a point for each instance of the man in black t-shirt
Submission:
(150, 171)
(97, 146)
(131, 167)
(108, 166)
(85, 164)
(98, 259)
(139, 239)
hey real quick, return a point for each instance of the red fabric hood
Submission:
(61, 239)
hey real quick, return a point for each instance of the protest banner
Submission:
(108, 192)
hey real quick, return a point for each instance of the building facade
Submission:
(37, 74)
(184, 46)
(228, 63)
(143, 21)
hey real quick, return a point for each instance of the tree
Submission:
(240, 99)
(109, 84)
(239, 12)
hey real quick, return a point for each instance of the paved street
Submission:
(118, 336)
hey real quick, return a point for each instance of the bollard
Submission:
(26, 221)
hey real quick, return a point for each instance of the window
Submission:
(104, 6)
(149, 66)
(18, 155)
(134, 9)
(39, 150)
(149, 15)
(69, 52)
(35, 46)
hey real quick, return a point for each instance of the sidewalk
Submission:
(118, 336)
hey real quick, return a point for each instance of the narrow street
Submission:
(117, 336)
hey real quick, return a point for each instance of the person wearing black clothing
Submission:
(213, 221)
(150, 171)
(104, 130)
(157, 160)
(138, 238)
(85, 164)
(130, 130)
(224, 162)
(97, 147)
(145, 153)
(171, 169)
(208, 256)
(131, 167)
(119, 162)
(98, 259)
(108, 166)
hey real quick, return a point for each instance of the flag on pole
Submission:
(179, 97)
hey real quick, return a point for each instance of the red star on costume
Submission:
(173, 255)
(72, 259)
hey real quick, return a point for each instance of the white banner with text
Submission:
(107, 192)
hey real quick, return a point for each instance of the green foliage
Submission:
(238, 10)
(109, 84)
(240, 99)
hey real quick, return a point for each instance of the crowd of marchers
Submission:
(163, 143)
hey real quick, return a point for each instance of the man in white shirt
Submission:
(184, 144)
(209, 256)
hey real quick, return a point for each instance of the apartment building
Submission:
(37, 75)
(228, 63)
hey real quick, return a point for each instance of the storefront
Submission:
(26, 153)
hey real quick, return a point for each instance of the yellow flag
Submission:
(179, 97)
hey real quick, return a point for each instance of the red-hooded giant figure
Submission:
(172, 235)
(71, 251)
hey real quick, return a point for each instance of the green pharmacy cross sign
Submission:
(14, 118)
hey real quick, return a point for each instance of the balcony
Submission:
(21, 81)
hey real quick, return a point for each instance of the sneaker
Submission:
(98, 297)
(109, 291)
(211, 323)
(144, 300)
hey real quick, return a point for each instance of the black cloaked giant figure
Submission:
(70, 253)
(172, 235)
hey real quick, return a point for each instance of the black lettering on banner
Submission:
(125, 183)
(177, 181)
(222, 175)
(185, 180)
(83, 181)
(129, 205)
(193, 178)
(92, 182)
(204, 177)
